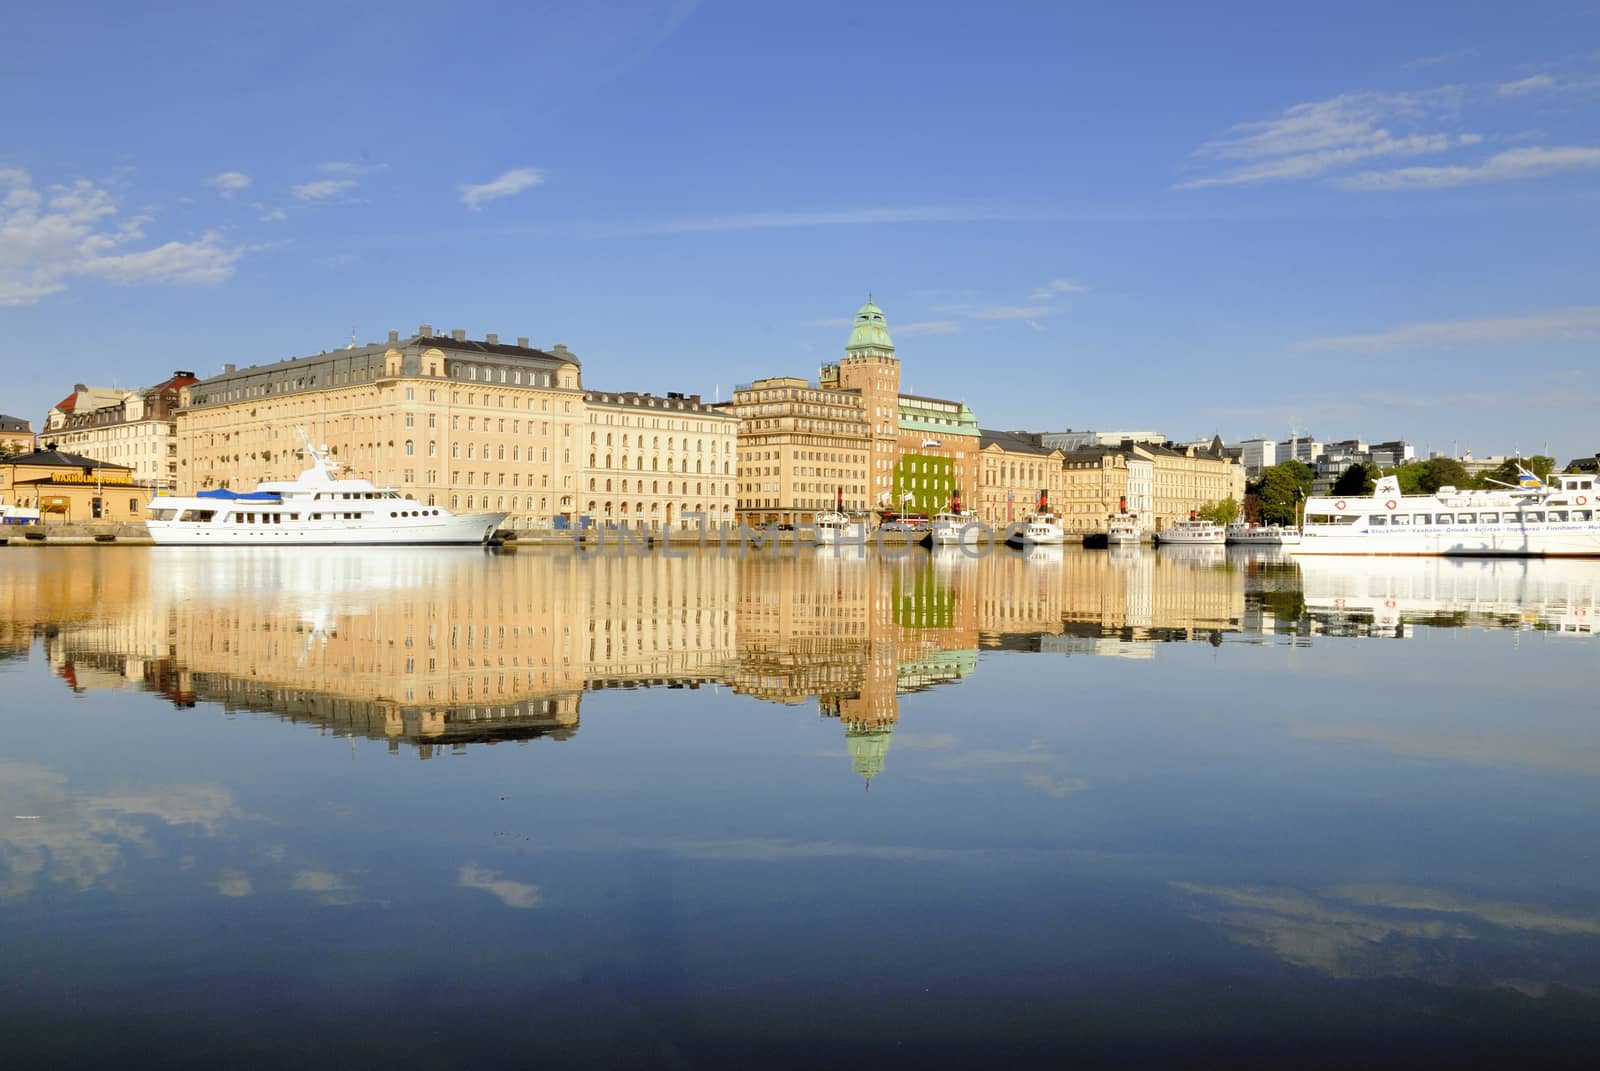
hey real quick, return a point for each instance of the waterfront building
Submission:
(464, 423)
(1069, 440)
(71, 488)
(1189, 478)
(16, 435)
(1160, 483)
(800, 450)
(923, 450)
(654, 462)
(139, 429)
(82, 399)
(1095, 482)
(1013, 468)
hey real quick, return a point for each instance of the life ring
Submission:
(1389, 505)
(1339, 505)
(1581, 611)
(1580, 500)
(1388, 604)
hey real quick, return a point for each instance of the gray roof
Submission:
(1014, 442)
(11, 423)
(60, 459)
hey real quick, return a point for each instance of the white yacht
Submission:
(317, 508)
(1244, 534)
(1123, 530)
(1193, 531)
(836, 527)
(1533, 520)
(10, 514)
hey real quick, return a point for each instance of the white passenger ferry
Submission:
(1193, 531)
(834, 528)
(1123, 530)
(954, 529)
(1244, 534)
(1536, 519)
(317, 508)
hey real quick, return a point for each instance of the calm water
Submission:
(416, 808)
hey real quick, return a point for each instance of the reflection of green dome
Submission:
(871, 332)
(867, 750)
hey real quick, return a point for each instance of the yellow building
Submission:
(801, 450)
(1190, 477)
(1013, 469)
(652, 463)
(1158, 484)
(470, 424)
(69, 488)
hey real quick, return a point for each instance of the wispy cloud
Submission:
(75, 230)
(518, 894)
(1501, 167)
(350, 168)
(823, 218)
(1056, 288)
(1527, 85)
(998, 312)
(228, 183)
(321, 189)
(508, 184)
(929, 327)
(1580, 323)
(269, 215)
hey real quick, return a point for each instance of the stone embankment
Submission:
(133, 533)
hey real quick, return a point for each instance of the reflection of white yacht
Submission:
(1195, 553)
(317, 508)
(1536, 519)
(1192, 531)
(1244, 534)
(835, 528)
(1044, 553)
(1562, 596)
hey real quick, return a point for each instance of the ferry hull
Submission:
(470, 529)
(1483, 541)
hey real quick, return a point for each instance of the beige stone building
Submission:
(653, 463)
(1013, 469)
(1158, 484)
(138, 430)
(16, 435)
(475, 425)
(801, 450)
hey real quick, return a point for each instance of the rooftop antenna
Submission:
(352, 338)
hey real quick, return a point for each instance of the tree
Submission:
(1224, 512)
(1354, 481)
(1280, 489)
(7, 449)
(1440, 472)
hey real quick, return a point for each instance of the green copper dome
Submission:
(870, 332)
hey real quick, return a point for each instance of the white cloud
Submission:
(228, 183)
(270, 215)
(928, 327)
(1056, 288)
(321, 189)
(350, 168)
(518, 894)
(1501, 167)
(68, 231)
(511, 182)
(1527, 85)
(1309, 140)
(1561, 325)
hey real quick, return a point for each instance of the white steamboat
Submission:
(1533, 520)
(316, 509)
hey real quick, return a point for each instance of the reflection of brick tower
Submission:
(870, 367)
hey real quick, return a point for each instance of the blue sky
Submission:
(1369, 220)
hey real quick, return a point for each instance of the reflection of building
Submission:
(138, 430)
(66, 487)
(654, 461)
(473, 425)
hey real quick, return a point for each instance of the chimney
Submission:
(458, 334)
(426, 330)
(522, 340)
(394, 336)
(229, 368)
(559, 349)
(492, 339)
(78, 388)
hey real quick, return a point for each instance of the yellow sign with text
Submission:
(103, 479)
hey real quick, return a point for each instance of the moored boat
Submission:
(1123, 530)
(1193, 531)
(1536, 519)
(1042, 527)
(1241, 533)
(317, 508)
